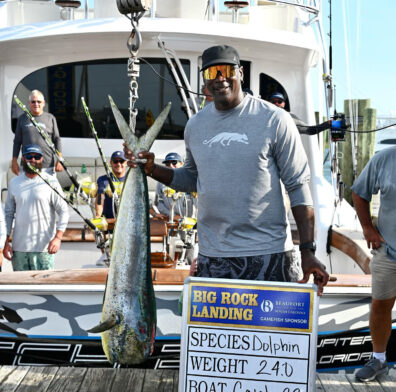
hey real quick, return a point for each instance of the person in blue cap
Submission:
(39, 215)
(278, 99)
(184, 205)
(104, 200)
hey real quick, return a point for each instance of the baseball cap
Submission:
(118, 154)
(277, 95)
(221, 54)
(173, 156)
(32, 148)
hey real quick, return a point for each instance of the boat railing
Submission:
(280, 14)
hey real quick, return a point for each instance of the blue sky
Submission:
(364, 56)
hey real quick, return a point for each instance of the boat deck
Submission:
(68, 379)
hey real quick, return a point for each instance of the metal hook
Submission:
(133, 48)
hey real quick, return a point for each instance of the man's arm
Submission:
(158, 172)
(370, 232)
(99, 202)
(305, 220)
(9, 209)
(55, 243)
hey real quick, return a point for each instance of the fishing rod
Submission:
(115, 198)
(99, 237)
(95, 134)
(47, 140)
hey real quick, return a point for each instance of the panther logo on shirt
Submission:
(225, 138)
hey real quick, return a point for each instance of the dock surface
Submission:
(69, 379)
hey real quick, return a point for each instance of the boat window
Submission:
(63, 86)
(268, 86)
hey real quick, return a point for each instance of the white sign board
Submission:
(241, 336)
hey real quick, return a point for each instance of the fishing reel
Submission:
(338, 127)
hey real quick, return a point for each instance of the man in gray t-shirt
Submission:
(26, 134)
(379, 175)
(238, 151)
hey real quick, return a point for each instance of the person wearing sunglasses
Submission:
(238, 151)
(104, 200)
(185, 204)
(26, 133)
(278, 99)
(38, 213)
(104, 203)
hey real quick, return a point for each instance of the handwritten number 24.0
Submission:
(285, 368)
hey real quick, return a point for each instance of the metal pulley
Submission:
(133, 6)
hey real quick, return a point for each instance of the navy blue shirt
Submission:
(103, 182)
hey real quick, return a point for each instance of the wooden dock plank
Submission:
(98, 380)
(128, 380)
(334, 383)
(359, 386)
(38, 378)
(160, 381)
(67, 379)
(11, 377)
(388, 383)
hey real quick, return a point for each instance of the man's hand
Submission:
(311, 265)
(7, 251)
(58, 167)
(372, 236)
(15, 166)
(148, 156)
(54, 245)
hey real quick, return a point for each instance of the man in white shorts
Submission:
(379, 175)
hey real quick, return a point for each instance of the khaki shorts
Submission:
(383, 271)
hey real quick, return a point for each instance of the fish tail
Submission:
(148, 138)
(127, 133)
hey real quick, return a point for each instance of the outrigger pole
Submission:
(47, 140)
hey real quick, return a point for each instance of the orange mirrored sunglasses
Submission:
(227, 70)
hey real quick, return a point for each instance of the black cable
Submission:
(372, 130)
(169, 81)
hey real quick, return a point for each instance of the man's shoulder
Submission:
(102, 179)
(16, 180)
(384, 157)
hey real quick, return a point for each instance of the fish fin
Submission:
(105, 325)
(149, 137)
(127, 133)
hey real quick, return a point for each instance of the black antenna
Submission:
(331, 39)
(335, 100)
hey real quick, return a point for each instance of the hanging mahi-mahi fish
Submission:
(129, 310)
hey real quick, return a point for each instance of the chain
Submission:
(134, 67)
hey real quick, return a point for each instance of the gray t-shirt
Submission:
(26, 133)
(34, 206)
(236, 160)
(380, 175)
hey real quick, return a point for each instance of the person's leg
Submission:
(42, 261)
(383, 273)
(20, 261)
(381, 323)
